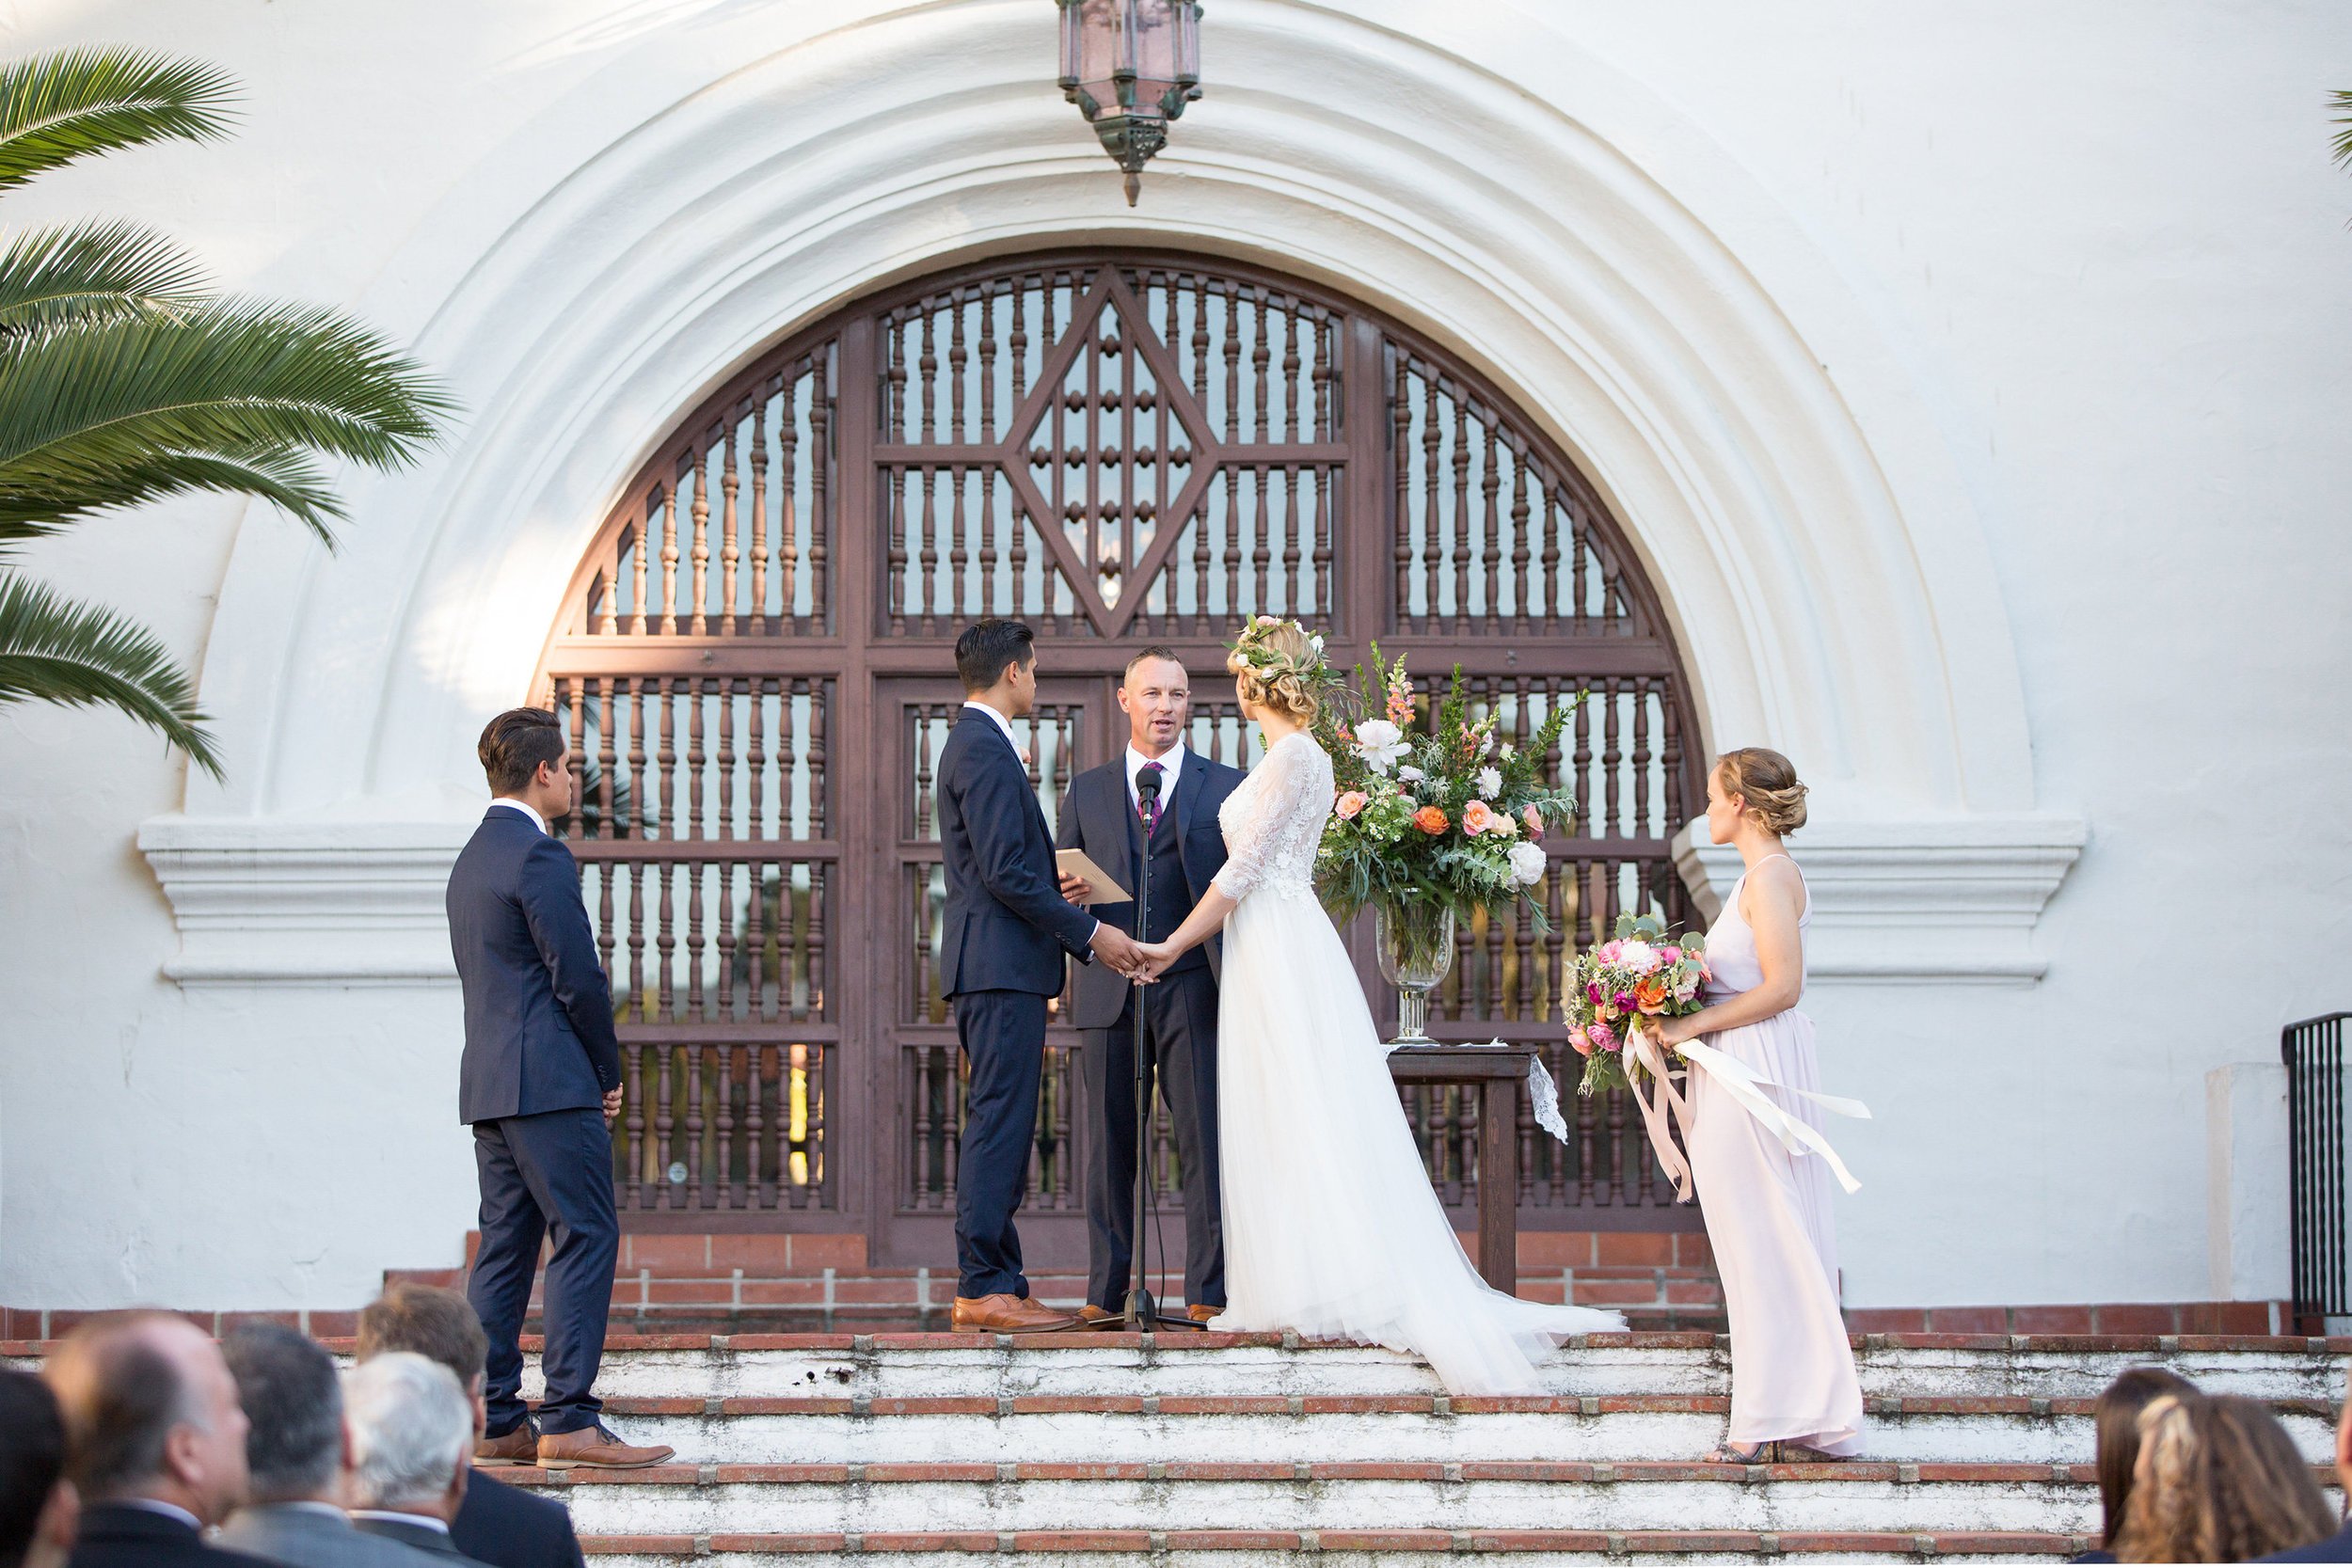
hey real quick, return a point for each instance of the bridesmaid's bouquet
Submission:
(1449, 815)
(1646, 971)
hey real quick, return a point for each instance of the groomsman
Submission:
(1109, 816)
(540, 1084)
(1005, 931)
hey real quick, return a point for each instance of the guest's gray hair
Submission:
(286, 1382)
(412, 1425)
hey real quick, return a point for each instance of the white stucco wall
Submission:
(1973, 379)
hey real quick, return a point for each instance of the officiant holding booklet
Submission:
(1113, 816)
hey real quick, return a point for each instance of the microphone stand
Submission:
(1143, 1312)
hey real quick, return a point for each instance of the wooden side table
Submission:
(1498, 1072)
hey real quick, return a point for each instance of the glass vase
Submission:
(1415, 938)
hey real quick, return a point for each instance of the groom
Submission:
(1006, 929)
(1120, 825)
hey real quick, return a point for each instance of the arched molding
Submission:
(1740, 403)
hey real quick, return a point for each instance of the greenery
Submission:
(2342, 104)
(124, 378)
(1447, 814)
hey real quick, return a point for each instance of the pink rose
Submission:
(1583, 1041)
(1479, 817)
(1534, 820)
(1352, 802)
(1602, 1035)
(1674, 954)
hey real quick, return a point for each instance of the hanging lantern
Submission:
(1131, 66)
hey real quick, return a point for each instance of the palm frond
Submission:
(227, 397)
(57, 651)
(92, 273)
(2342, 104)
(68, 105)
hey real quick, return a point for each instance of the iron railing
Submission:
(2314, 1051)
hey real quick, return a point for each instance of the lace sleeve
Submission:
(1282, 825)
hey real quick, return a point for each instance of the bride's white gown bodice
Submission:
(1331, 1226)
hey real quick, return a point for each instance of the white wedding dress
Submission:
(1331, 1226)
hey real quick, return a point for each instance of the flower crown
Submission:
(1271, 663)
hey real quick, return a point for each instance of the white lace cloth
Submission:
(1331, 1227)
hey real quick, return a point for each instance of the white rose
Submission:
(1490, 782)
(1379, 743)
(1527, 864)
(1409, 774)
(1316, 643)
(1639, 956)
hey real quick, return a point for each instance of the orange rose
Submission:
(1479, 817)
(1430, 820)
(1650, 994)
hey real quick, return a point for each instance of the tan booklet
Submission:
(1073, 863)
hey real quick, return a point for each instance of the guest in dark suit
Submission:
(411, 1450)
(299, 1457)
(1105, 815)
(501, 1525)
(155, 1439)
(1007, 927)
(540, 1084)
(38, 1508)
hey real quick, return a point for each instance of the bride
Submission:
(1331, 1226)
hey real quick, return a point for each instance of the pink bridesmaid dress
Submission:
(1768, 1223)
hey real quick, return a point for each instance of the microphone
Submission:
(1148, 795)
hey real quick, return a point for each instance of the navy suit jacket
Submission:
(539, 1032)
(1095, 817)
(2336, 1548)
(507, 1526)
(1007, 925)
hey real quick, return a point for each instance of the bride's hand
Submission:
(1154, 957)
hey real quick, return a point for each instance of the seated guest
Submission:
(503, 1526)
(2337, 1547)
(38, 1506)
(2218, 1480)
(154, 1441)
(411, 1450)
(2116, 1421)
(298, 1455)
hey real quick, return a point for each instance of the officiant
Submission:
(1118, 822)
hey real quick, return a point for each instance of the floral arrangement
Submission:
(1450, 815)
(1644, 972)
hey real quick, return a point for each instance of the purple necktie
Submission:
(1147, 806)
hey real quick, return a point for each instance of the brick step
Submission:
(1327, 1548)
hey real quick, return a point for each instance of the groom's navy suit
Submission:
(1006, 929)
(540, 1055)
(1187, 851)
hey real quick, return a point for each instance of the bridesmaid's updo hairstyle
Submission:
(1280, 668)
(1768, 783)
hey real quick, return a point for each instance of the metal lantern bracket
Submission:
(1131, 66)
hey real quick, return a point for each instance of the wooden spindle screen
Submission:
(755, 665)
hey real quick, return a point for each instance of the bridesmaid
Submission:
(1795, 1397)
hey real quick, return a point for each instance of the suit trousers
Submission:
(1180, 1037)
(1004, 1041)
(549, 1174)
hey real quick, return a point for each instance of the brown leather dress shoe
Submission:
(519, 1446)
(1201, 1311)
(595, 1449)
(1006, 1314)
(1091, 1316)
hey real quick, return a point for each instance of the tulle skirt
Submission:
(1331, 1226)
(1775, 1244)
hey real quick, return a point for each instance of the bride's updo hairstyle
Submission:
(1280, 668)
(1768, 783)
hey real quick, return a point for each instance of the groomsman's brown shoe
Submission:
(1091, 1316)
(595, 1449)
(1202, 1312)
(519, 1446)
(1006, 1313)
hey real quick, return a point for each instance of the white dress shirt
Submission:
(1172, 763)
(526, 808)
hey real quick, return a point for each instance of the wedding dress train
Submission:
(1331, 1226)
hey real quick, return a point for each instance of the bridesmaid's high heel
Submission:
(1727, 1454)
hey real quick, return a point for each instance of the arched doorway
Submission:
(1122, 447)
